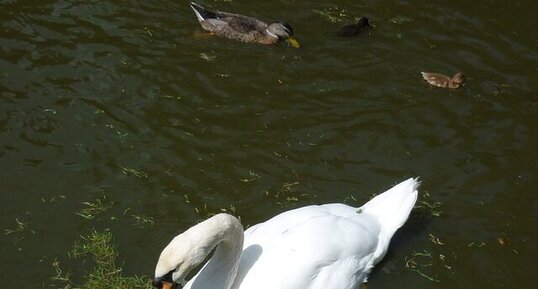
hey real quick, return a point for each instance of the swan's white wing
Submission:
(292, 218)
(309, 248)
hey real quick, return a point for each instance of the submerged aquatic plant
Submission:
(105, 274)
(287, 195)
(207, 57)
(412, 263)
(20, 231)
(20, 227)
(143, 221)
(134, 172)
(400, 19)
(95, 208)
(334, 14)
(428, 207)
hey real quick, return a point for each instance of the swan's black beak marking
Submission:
(166, 282)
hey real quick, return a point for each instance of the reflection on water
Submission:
(126, 100)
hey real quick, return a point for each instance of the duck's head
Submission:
(284, 32)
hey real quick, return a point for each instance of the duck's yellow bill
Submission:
(294, 42)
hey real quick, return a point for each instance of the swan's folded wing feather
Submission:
(315, 248)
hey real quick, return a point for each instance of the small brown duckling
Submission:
(350, 30)
(441, 80)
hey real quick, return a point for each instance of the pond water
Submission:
(128, 106)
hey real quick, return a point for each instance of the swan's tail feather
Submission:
(392, 208)
(202, 13)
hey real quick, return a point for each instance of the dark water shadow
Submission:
(415, 226)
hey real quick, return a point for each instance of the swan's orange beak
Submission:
(167, 285)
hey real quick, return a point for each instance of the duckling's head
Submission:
(284, 32)
(363, 22)
(354, 29)
(458, 78)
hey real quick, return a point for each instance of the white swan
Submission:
(332, 246)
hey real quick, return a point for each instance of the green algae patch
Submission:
(105, 274)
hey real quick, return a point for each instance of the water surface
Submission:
(126, 102)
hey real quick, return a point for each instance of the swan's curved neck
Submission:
(226, 234)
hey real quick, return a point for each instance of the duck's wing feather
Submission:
(240, 28)
(436, 79)
(203, 14)
(245, 24)
(233, 24)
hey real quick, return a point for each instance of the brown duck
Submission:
(244, 28)
(441, 80)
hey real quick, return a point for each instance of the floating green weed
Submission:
(207, 57)
(95, 208)
(61, 276)
(53, 199)
(287, 195)
(429, 207)
(417, 261)
(429, 262)
(134, 172)
(143, 221)
(20, 230)
(148, 31)
(434, 239)
(206, 212)
(350, 200)
(105, 274)
(334, 15)
(400, 19)
(230, 210)
(140, 220)
(253, 176)
(21, 226)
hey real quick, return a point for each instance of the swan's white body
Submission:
(315, 247)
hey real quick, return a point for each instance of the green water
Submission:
(125, 101)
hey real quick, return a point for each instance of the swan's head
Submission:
(176, 261)
(188, 250)
(284, 32)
